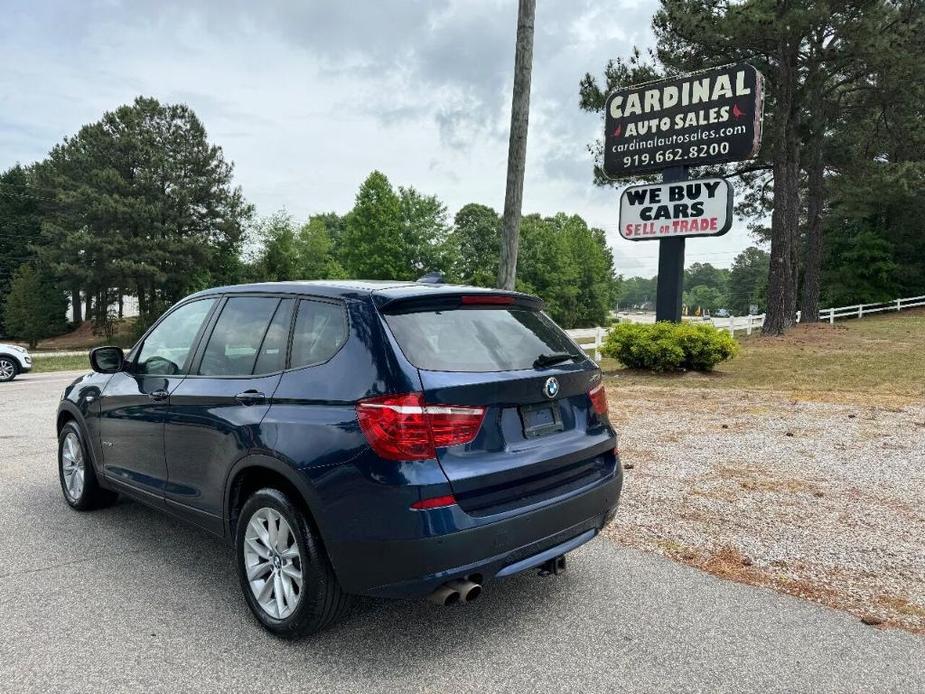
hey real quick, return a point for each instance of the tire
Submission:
(78, 480)
(267, 568)
(8, 369)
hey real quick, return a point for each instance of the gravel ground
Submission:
(821, 500)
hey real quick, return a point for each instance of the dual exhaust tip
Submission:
(456, 592)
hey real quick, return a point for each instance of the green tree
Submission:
(144, 204)
(704, 274)
(597, 284)
(704, 298)
(475, 246)
(35, 306)
(862, 269)
(424, 230)
(748, 281)
(20, 226)
(285, 252)
(373, 244)
(335, 225)
(636, 291)
(545, 267)
(316, 252)
(278, 258)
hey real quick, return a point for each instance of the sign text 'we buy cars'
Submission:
(664, 210)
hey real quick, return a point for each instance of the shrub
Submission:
(669, 346)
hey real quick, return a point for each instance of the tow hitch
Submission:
(553, 567)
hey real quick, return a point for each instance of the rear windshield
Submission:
(478, 339)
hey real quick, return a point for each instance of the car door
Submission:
(134, 403)
(216, 412)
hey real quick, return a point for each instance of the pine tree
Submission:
(373, 246)
(35, 306)
(20, 226)
(142, 203)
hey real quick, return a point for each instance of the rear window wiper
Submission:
(550, 359)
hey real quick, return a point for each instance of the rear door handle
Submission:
(250, 397)
(159, 395)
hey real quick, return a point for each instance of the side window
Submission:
(166, 349)
(272, 356)
(320, 330)
(233, 347)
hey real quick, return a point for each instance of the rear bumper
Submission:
(409, 568)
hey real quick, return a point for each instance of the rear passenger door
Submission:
(216, 412)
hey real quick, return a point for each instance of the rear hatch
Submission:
(541, 436)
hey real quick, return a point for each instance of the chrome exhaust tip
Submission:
(444, 595)
(468, 590)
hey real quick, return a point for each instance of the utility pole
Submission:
(517, 145)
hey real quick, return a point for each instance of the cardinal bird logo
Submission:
(737, 112)
(618, 131)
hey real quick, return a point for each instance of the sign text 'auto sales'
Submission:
(709, 117)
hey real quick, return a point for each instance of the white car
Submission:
(13, 360)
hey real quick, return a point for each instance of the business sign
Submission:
(687, 208)
(708, 117)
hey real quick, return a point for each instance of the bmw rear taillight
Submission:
(402, 427)
(598, 399)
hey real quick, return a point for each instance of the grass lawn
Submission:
(882, 356)
(75, 363)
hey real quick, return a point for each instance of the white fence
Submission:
(749, 323)
(733, 323)
(860, 310)
(591, 339)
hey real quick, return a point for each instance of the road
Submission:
(126, 599)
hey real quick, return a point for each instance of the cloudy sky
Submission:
(307, 97)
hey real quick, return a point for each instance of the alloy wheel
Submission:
(72, 466)
(7, 369)
(273, 563)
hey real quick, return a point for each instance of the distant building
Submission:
(129, 307)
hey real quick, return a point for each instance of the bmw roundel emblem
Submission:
(551, 388)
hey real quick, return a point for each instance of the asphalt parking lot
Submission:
(126, 599)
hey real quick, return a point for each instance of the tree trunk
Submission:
(142, 299)
(121, 303)
(517, 145)
(102, 306)
(785, 219)
(88, 312)
(76, 306)
(812, 263)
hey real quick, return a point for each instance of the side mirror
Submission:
(107, 360)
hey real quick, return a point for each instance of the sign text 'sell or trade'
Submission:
(709, 117)
(664, 210)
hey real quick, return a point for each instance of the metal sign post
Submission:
(670, 283)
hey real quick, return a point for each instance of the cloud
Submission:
(306, 97)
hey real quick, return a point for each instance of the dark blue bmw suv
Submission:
(376, 438)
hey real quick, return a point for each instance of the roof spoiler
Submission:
(447, 301)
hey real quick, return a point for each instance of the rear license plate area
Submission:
(541, 419)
